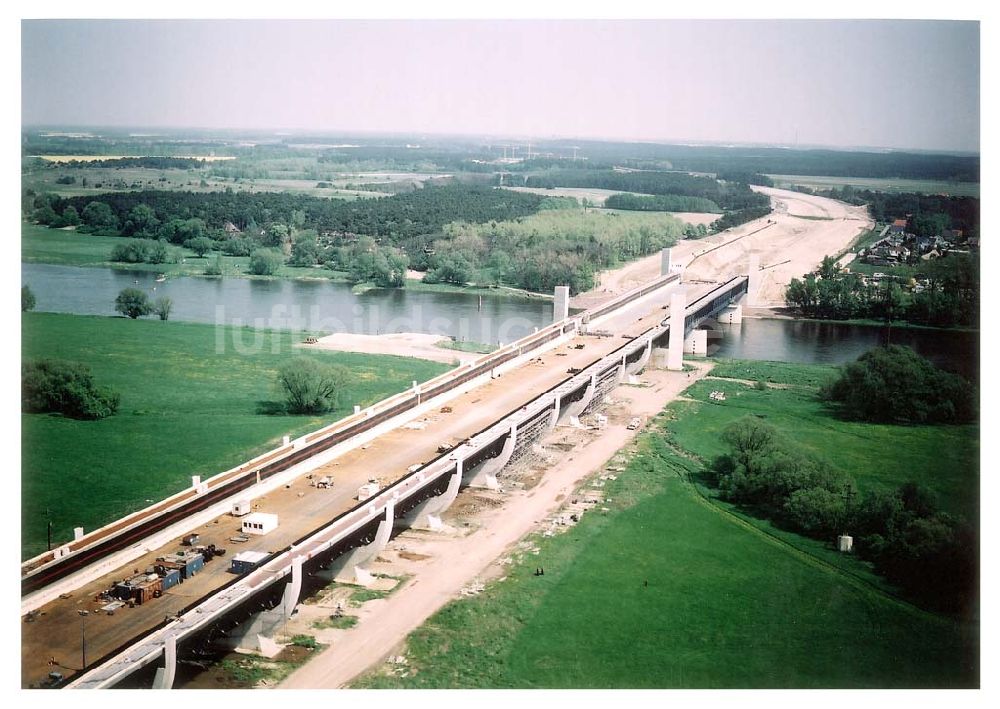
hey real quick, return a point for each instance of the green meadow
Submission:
(192, 402)
(670, 589)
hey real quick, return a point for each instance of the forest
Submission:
(727, 195)
(398, 217)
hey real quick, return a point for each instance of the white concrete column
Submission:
(675, 345)
(696, 343)
(560, 307)
(77, 533)
(732, 315)
(665, 262)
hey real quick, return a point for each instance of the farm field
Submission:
(670, 590)
(100, 180)
(186, 408)
(885, 184)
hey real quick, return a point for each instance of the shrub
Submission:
(310, 386)
(132, 303)
(266, 262)
(214, 268)
(27, 299)
(162, 307)
(201, 245)
(52, 386)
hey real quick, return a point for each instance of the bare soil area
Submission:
(790, 242)
(403, 344)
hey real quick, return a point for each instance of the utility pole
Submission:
(83, 636)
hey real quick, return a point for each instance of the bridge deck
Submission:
(56, 632)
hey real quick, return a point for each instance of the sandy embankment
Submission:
(802, 230)
(402, 344)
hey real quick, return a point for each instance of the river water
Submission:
(322, 306)
(315, 306)
(813, 342)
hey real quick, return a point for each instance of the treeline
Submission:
(660, 203)
(949, 294)
(556, 247)
(958, 212)
(740, 216)
(154, 162)
(398, 217)
(748, 178)
(780, 161)
(727, 195)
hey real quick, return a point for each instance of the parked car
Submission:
(634, 423)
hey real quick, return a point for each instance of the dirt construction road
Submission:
(790, 241)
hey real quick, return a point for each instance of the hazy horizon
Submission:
(901, 85)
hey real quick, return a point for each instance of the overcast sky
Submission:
(903, 84)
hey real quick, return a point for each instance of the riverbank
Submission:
(66, 247)
(194, 400)
(660, 586)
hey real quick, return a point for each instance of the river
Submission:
(814, 342)
(315, 306)
(322, 306)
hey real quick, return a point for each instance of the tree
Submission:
(896, 385)
(27, 299)
(750, 440)
(99, 217)
(70, 217)
(162, 307)
(215, 268)
(68, 388)
(305, 251)
(828, 268)
(265, 262)
(141, 221)
(201, 245)
(310, 386)
(132, 303)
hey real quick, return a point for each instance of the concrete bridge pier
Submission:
(426, 515)
(486, 475)
(164, 678)
(349, 568)
(732, 315)
(293, 589)
(554, 418)
(576, 408)
(665, 255)
(675, 345)
(640, 364)
(696, 343)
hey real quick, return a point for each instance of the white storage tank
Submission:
(260, 523)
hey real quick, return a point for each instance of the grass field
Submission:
(884, 184)
(185, 409)
(66, 247)
(671, 590)
(876, 456)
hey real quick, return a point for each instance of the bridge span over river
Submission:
(484, 414)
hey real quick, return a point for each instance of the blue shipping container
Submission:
(193, 565)
(171, 579)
